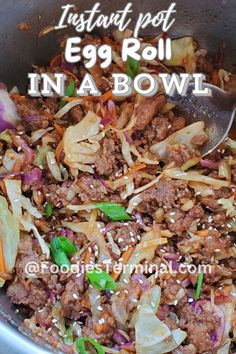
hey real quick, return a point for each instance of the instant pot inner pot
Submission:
(212, 23)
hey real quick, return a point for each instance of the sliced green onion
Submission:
(80, 345)
(132, 67)
(58, 255)
(48, 210)
(66, 245)
(69, 92)
(199, 285)
(68, 337)
(101, 280)
(115, 212)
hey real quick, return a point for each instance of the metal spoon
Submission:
(217, 112)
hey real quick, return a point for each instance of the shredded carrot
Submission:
(107, 96)
(202, 232)
(60, 131)
(215, 77)
(107, 40)
(49, 115)
(135, 168)
(54, 60)
(17, 98)
(88, 256)
(2, 262)
(58, 150)
(69, 73)
(69, 99)
(125, 257)
(3, 187)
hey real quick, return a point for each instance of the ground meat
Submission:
(201, 323)
(204, 65)
(199, 139)
(157, 130)
(106, 161)
(185, 349)
(32, 115)
(147, 110)
(76, 114)
(177, 123)
(166, 193)
(71, 298)
(56, 195)
(52, 104)
(102, 333)
(34, 295)
(172, 291)
(124, 234)
(179, 153)
(211, 201)
(90, 189)
(179, 221)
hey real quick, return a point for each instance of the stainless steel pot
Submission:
(211, 22)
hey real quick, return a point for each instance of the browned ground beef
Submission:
(147, 110)
(71, 297)
(157, 130)
(166, 193)
(106, 162)
(201, 324)
(90, 189)
(124, 234)
(32, 114)
(179, 153)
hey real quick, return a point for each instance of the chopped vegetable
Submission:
(66, 245)
(78, 153)
(69, 92)
(58, 254)
(199, 285)
(101, 280)
(80, 345)
(115, 212)
(9, 235)
(48, 210)
(182, 136)
(132, 67)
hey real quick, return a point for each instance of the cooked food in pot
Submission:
(115, 234)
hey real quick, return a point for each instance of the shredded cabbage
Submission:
(194, 176)
(19, 202)
(94, 235)
(125, 148)
(183, 54)
(67, 108)
(182, 136)
(53, 166)
(152, 335)
(9, 234)
(78, 153)
(228, 205)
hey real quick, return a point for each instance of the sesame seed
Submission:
(125, 281)
(134, 300)
(99, 308)
(75, 296)
(120, 239)
(190, 300)
(175, 302)
(54, 320)
(91, 186)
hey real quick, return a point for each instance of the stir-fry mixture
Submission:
(115, 180)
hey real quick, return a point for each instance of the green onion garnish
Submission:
(80, 345)
(69, 92)
(132, 67)
(48, 210)
(68, 337)
(66, 245)
(101, 280)
(199, 285)
(115, 212)
(60, 249)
